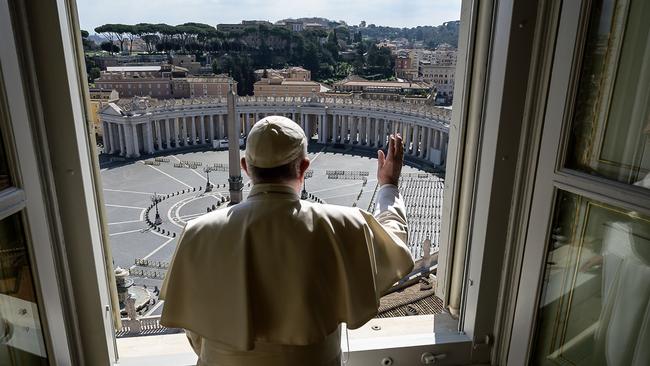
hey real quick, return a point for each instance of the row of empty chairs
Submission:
(423, 194)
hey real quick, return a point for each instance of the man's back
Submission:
(280, 270)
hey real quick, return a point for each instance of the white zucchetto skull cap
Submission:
(275, 141)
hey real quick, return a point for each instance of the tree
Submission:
(264, 56)
(333, 45)
(87, 44)
(380, 61)
(311, 61)
(109, 47)
(150, 41)
(114, 31)
(106, 33)
(93, 74)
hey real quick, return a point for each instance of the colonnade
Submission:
(149, 133)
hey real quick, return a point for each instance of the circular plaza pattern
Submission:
(342, 176)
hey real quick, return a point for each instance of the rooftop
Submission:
(385, 84)
(132, 68)
(210, 79)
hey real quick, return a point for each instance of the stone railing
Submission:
(141, 106)
(142, 326)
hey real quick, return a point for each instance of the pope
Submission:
(269, 281)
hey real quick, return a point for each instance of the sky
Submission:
(395, 13)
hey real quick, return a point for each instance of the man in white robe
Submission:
(269, 281)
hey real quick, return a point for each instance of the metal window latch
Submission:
(429, 358)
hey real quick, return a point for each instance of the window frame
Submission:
(55, 104)
(482, 69)
(552, 176)
(27, 197)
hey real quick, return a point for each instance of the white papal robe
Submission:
(269, 281)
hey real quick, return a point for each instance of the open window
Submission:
(114, 179)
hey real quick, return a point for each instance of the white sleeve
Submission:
(389, 235)
(390, 211)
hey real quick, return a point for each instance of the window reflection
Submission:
(610, 132)
(595, 303)
(21, 338)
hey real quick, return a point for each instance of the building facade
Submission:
(279, 87)
(99, 98)
(383, 90)
(160, 82)
(405, 68)
(208, 86)
(289, 73)
(440, 76)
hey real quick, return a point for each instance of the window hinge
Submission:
(429, 358)
(486, 341)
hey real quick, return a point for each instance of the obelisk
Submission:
(235, 180)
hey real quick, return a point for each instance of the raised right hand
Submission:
(390, 165)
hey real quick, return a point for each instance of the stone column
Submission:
(211, 128)
(321, 129)
(409, 136)
(425, 140)
(368, 131)
(326, 128)
(337, 127)
(375, 132)
(248, 123)
(416, 140)
(148, 136)
(202, 128)
(357, 129)
(360, 129)
(344, 132)
(329, 127)
(181, 132)
(176, 132)
(122, 138)
(221, 127)
(308, 126)
(136, 142)
(109, 132)
(153, 130)
(436, 139)
(128, 140)
(443, 149)
(105, 138)
(193, 130)
(429, 144)
(168, 138)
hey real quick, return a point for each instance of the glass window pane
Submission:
(595, 303)
(610, 132)
(5, 179)
(21, 337)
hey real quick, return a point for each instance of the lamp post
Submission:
(304, 195)
(208, 185)
(155, 199)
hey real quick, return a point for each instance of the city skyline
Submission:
(379, 12)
